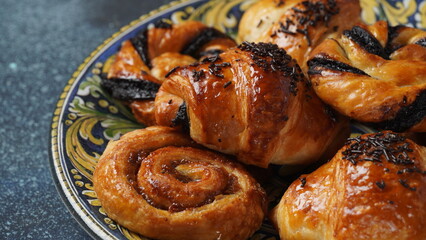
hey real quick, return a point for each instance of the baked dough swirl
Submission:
(374, 188)
(253, 102)
(143, 61)
(155, 182)
(374, 74)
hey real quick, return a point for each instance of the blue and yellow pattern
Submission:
(86, 117)
(408, 12)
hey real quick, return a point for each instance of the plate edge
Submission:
(54, 160)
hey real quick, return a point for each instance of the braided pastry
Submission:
(142, 62)
(297, 26)
(154, 182)
(253, 102)
(374, 188)
(374, 74)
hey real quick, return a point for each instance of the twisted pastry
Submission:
(253, 102)
(374, 188)
(154, 182)
(297, 26)
(374, 74)
(142, 62)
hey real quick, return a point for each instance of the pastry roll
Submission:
(143, 61)
(373, 188)
(297, 26)
(156, 182)
(374, 74)
(252, 102)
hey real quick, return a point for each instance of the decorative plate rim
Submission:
(60, 172)
(68, 195)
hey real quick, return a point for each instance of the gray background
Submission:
(42, 42)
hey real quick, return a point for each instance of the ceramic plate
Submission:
(86, 117)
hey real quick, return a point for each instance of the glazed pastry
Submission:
(156, 182)
(252, 102)
(297, 26)
(374, 74)
(374, 188)
(151, 54)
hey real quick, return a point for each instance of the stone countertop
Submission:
(42, 43)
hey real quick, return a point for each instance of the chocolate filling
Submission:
(140, 43)
(181, 118)
(367, 41)
(407, 116)
(211, 52)
(421, 42)
(130, 89)
(192, 48)
(392, 34)
(319, 64)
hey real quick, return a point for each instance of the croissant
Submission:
(252, 102)
(297, 26)
(156, 182)
(374, 74)
(151, 54)
(374, 188)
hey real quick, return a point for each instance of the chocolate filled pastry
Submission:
(156, 182)
(374, 74)
(374, 188)
(253, 102)
(297, 26)
(142, 62)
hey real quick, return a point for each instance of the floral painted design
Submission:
(406, 12)
(86, 117)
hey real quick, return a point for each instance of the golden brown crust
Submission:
(164, 63)
(154, 182)
(127, 63)
(376, 82)
(297, 26)
(143, 111)
(155, 52)
(360, 194)
(249, 104)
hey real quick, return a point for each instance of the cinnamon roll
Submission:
(142, 62)
(156, 182)
(374, 188)
(374, 74)
(252, 102)
(297, 26)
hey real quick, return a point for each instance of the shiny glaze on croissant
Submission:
(156, 182)
(374, 188)
(297, 26)
(253, 102)
(152, 53)
(374, 74)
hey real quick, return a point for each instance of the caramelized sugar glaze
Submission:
(374, 74)
(142, 63)
(374, 188)
(252, 101)
(157, 182)
(297, 26)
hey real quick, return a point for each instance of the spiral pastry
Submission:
(253, 102)
(141, 64)
(374, 188)
(374, 74)
(297, 26)
(155, 182)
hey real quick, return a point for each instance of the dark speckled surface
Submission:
(42, 43)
